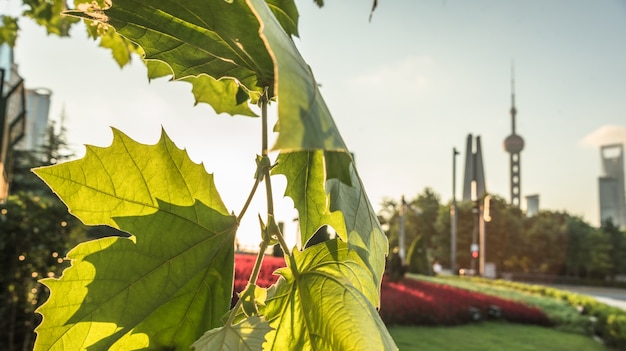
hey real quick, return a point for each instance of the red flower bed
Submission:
(243, 268)
(413, 302)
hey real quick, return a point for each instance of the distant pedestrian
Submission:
(436, 267)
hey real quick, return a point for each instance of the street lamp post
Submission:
(401, 237)
(453, 216)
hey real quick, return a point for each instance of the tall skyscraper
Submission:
(474, 176)
(514, 144)
(611, 185)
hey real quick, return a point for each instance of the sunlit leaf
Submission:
(220, 39)
(121, 49)
(326, 189)
(8, 30)
(246, 335)
(304, 121)
(166, 284)
(306, 185)
(217, 37)
(362, 226)
(223, 95)
(48, 14)
(287, 14)
(323, 302)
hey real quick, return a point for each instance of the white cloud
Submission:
(607, 134)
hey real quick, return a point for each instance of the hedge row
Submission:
(609, 322)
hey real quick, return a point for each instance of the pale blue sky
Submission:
(404, 90)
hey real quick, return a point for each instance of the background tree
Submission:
(599, 263)
(37, 231)
(504, 236)
(577, 253)
(617, 248)
(420, 223)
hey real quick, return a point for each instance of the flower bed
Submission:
(412, 302)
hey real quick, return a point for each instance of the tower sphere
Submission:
(513, 143)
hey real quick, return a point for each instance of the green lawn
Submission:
(490, 336)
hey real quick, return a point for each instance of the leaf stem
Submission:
(249, 200)
(252, 281)
(263, 100)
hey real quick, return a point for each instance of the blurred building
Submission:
(12, 115)
(38, 107)
(611, 185)
(532, 205)
(474, 176)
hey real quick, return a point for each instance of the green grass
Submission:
(490, 336)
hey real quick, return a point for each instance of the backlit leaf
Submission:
(287, 14)
(323, 302)
(220, 39)
(217, 37)
(166, 284)
(306, 178)
(362, 226)
(304, 121)
(326, 189)
(246, 335)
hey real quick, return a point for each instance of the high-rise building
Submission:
(38, 107)
(12, 115)
(611, 185)
(474, 177)
(514, 144)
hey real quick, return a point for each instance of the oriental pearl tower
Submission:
(514, 144)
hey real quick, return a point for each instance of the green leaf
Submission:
(323, 302)
(48, 15)
(251, 297)
(326, 189)
(121, 49)
(8, 30)
(306, 177)
(128, 178)
(287, 14)
(363, 229)
(217, 37)
(223, 95)
(163, 286)
(304, 121)
(220, 39)
(248, 334)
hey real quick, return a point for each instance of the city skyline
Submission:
(404, 89)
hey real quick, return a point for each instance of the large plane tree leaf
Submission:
(218, 38)
(322, 302)
(304, 121)
(347, 194)
(221, 39)
(164, 286)
(326, 189)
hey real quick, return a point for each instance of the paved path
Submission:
(611, 296)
